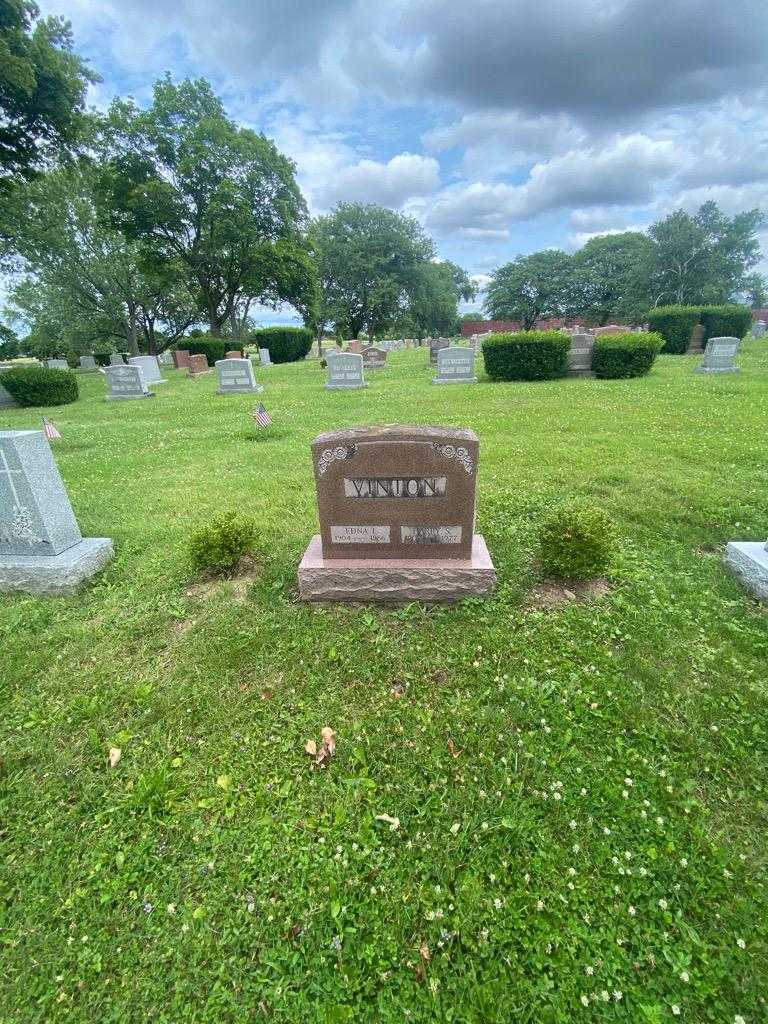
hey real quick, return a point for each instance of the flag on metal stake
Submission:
(261, 415)
(50, 431)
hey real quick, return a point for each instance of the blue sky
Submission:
(504, 126)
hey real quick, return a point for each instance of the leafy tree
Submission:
(702, 258)
(9, 343)
(84, 282)
(530, 287)
(42, 90)
(434, 301)
(200, 192)
(608, 277)
(756, 290)
(371, 262)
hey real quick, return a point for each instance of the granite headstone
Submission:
(198, 365)
(181, 358)
(236, 375)
(264, 357)
(455, 366)
(150, 369)
(749, 561)
(758, 329)
(374, 358)
(116, 359)
(435, 345)
(125, 383)
(345, 371)
(57, 364)
(580, 355)
(88, 363)
(397, 515)
(719, 356)
(41, 548)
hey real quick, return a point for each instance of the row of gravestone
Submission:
(236, 375)
(346, 369)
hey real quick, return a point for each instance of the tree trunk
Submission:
(133, 344)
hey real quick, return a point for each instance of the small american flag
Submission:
(261, 415)
(50, 431)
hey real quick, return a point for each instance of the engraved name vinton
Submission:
(395, 487)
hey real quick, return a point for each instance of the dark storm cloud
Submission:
(590, 59)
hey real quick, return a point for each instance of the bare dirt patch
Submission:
(236, 582)
(553, 594)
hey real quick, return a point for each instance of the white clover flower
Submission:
(540, 904)
(589, 970)
(584, 1000)
(675, 1009)
(572, 823)
(605, 995)
(738, 1019)
(663, 904)
(741, 943)
(618, 995)
(631, 911)
(685, 976)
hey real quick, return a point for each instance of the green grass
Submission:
(214, 876)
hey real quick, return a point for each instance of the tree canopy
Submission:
(197, 190)
(530, 287)
(371, 263)
(42, 90)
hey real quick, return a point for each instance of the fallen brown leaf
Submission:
(310, 747)
(453, 749)
(426, 956)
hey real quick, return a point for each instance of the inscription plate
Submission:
(430, 534)
(413, 485)
(360, 534)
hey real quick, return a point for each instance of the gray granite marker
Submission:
(580, 355)
(455, 366)
(116, 359)
(345, 371)
(749, 561)
(719, 356)
(435, 345)
(236, 375)
(57, 364)
(125, 382)
(264, 357)
(758, 329)
(150, 369)
(88, 363)
(41, 548)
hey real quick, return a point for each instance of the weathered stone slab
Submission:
(758, 329)
(696, 343)
(41, 548)
(264, 357)
(580, 355)
(198, 365)
(374, 358)
(749, 561)
(88, 363)
(150, 369)
(57, 364)
(125, 383)
(435, 345)
(455, 366)
(395, 581)
(181, 358)
(345, 371)
(719, 356)
(236, 376)
(165, 358)
(611, 329)
(355, 346)
(235, 353)
(116, 359)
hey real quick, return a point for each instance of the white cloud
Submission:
(390, 184)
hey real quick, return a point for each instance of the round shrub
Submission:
(726, 321)
(37, 385)
(219, 546)
(625, 355)
(285, 344)
(526, 355)
(206, 345)
(577, 543)
(675, 324)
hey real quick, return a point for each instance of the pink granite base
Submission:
(394, 581)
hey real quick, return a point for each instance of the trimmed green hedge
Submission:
(625, 355)
(285, 344)
(37, 385)
(726, 321)
(675, 324)
(206, 345)
(526, 355)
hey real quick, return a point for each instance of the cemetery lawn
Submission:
(577, 797)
